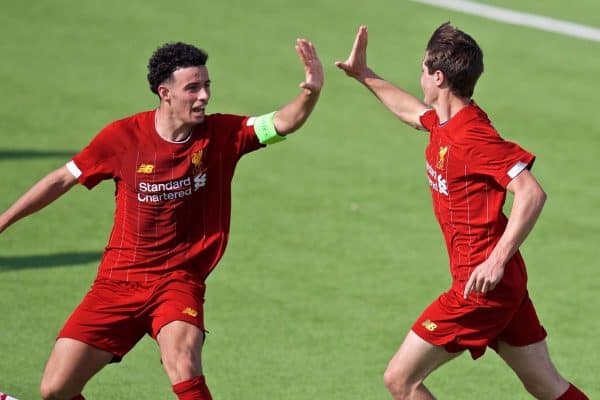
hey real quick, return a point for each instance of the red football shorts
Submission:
(458, 325)
(115, 315)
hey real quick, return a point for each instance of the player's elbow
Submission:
(529, 190)
(543, 197)
(61, 179)
(540, 196)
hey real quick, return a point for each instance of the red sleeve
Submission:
(247, 141)
(97, 160)
(240, 132)
(493, 156)
(429, 119)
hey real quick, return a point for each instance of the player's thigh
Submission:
(416, 359)
(71, 364)
(535, 369)
(180, 345)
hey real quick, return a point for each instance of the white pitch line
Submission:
(518, 18)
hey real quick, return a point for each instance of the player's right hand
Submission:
(484, 277)
(356, 63)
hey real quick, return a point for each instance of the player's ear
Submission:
(439, 78)
(164, 93)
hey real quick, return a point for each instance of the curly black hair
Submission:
(170, 57)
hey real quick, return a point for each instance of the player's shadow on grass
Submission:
(48, 260)
(6, 154)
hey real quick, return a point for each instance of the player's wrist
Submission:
(311, 91)
(498, 259)
(363, 74)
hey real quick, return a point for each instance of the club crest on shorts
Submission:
(429, 325)
(442, 157)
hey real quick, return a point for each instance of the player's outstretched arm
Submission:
(529, 199)
(291, 116)
(48, 189)
(403, 104)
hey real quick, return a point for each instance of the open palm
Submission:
(356, 63)
(313, 69)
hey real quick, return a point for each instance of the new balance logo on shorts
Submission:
(190, 311)
(429, 325)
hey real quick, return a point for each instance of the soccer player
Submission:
(469, 168)
(172, 168)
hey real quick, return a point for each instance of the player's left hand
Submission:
(313, 69)
(484, 277)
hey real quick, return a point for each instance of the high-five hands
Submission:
(313, 70)
(355, 65)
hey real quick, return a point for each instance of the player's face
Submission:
(188, 94)
(428, 85)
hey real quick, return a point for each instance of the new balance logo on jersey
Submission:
(155, 192)
(145, 169)
(437, 181)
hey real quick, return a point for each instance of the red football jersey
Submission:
(173, 200)
(468, 167)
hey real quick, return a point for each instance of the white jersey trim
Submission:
(517, 169)
(424, 111)
(73, 169)
(420, 126)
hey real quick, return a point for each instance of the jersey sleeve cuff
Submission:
(516, 169)
(74, 169)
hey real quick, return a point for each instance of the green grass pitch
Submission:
(353, 253)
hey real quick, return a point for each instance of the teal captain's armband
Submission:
(264, 127)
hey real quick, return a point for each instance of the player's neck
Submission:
(170, 128)
(449, 105)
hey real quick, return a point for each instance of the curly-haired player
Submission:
(172, 168)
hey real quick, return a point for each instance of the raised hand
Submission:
(356, 63)
(313, 70)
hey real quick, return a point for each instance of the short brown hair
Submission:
(458, 56)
